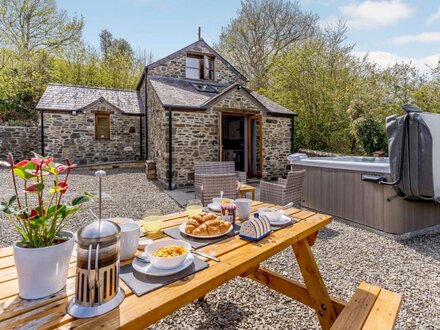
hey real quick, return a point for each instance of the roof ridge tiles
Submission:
(95, 87)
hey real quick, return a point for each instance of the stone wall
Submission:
(73, 136)
(276, 146)
(236, 101)
(176, 68)
(20, 141)
(157, 135)
(195, 138)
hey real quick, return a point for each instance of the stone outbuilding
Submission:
(198, 109)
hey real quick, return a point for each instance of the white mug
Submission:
(244, 206)
(129, 239)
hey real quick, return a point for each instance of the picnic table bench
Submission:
(370, 308)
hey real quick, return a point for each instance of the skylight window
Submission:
(204, 88)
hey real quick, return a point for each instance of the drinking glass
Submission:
(194, 207)
(152, 221)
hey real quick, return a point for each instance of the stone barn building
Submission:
(198, 109)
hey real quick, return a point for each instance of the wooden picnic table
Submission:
(238, 258)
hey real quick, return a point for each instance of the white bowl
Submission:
(272, 214)
(167, 263)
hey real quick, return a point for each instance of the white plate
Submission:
(150, 270)
(182, 230)
(214, 207)
(284, 219)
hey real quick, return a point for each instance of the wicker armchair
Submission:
(284, 191)
(201, 168)
(213, 184)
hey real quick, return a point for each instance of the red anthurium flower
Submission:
(41, 162)
(64, 186)
(34, 213)
(61, 168)
(23, 163)
(35, 188)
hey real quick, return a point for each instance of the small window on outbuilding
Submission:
(102, 126)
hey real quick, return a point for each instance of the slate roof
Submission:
(71, 97)
(179, 92)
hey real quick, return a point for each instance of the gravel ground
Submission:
(346, 255)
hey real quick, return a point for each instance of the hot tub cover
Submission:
(414, 153)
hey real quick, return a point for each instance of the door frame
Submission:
(220, 129)
(260, 144)
(248, 118)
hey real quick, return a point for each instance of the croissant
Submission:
(198, 219)
(191, 225)
(209, 216)
(211, 227)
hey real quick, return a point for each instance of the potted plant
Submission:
(39, 214)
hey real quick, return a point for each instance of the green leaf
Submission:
(21, 173)
(51, 170)
(39, 156)
(12, 200)
(70, 210)
(30, 166)
(5, 208)
(81, 200)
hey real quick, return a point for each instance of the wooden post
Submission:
(315, 285)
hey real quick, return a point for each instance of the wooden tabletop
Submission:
(247, 188)
(237, 256)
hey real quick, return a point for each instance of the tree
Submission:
(31, 25)
(317, 80)
(122, 47)
(105, 41)
(263, 30)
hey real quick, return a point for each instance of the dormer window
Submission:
(199, 67)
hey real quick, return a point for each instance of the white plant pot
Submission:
(43, 271)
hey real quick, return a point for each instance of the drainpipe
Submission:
(292, 146)
(146, 112)
(170, 149)
(42, 131)
(140, 137)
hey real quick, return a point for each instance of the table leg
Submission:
(315, 285)
(253, 195)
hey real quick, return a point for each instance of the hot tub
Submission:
(334, 185)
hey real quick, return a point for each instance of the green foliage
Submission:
(370, 135)
(39, 220)
(52, 51)
(316, 80)
(343, 101)
(263, 30)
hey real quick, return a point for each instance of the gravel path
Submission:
(127, 194)
(346, 255)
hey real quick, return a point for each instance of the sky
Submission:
(388, 30)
